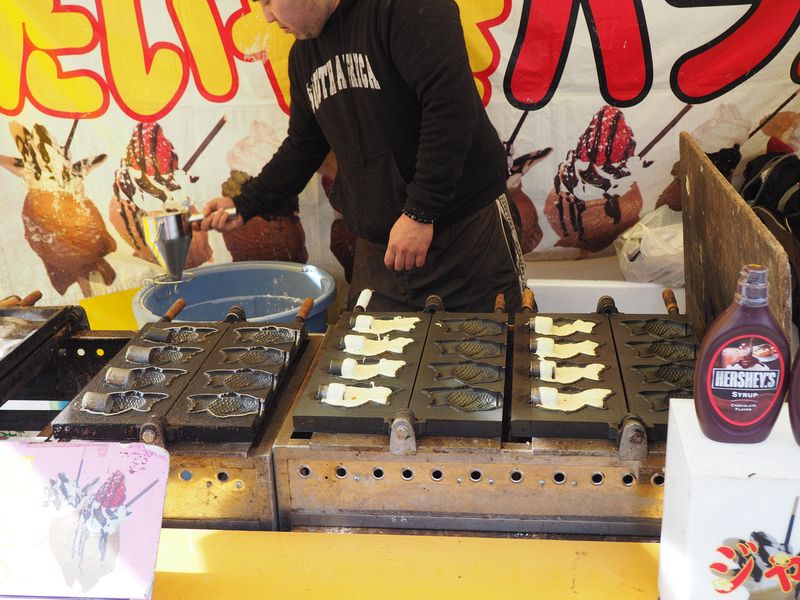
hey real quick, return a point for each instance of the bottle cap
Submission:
(753, 289)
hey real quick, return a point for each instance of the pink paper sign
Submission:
(80, 519)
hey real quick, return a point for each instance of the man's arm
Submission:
(426, 44)
(290, 169)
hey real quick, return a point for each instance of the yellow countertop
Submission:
(199, 564)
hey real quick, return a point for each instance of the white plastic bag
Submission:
(652, 250)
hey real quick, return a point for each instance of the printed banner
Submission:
(115, 107)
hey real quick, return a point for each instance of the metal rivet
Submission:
(573, 483)
(459, 480)
(148, 436)
(541, 482)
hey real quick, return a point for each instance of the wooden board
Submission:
(721, 235)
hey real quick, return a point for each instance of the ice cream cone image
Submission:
(529, 218)
(62, 225)
(149, 179)
(720, 137)
(84, 534)
(276, 237)
(595, 197)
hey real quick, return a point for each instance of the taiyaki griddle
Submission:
(233, 393)
(657, 359)
(28, 337)
(460, 388)
(140, 383)
(363, 389)
(576, 366)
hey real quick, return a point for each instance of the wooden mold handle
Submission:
(9, 301)
(668, 296)
(500, 303)
(305, 309)
(173, 310)
(31, 298)
(528, 301)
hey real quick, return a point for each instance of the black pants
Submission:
(467, 265)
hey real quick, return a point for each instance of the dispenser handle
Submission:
(9, 301)
(231, 212)
(668, 296)
(305, 309)
(363, 300)
(235, 314)
(500, 303)
(434, 304)
(529, 301)
(173, 310)
(31, 299)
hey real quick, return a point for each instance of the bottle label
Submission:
(744, 380)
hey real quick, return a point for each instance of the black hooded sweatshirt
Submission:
(387, 86)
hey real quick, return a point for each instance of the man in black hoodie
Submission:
(386, 85)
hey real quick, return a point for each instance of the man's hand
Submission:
(408, 244)
(215, 217)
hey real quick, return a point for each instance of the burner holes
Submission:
(628, 479)
(185, 475)
(80, 352)
(559, 477)
(475, 475)
(657, 479)
(304, 472)
(341, 472)
(222, 476)
(437, 475)
(377, 473)
(516, 476)
(598, 478)
(407, 474)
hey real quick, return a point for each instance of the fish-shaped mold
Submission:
(560, 327)
(468, 372)
(473, 327)
(658, 401)
(664, 329)
(365, 368)
(364, 346)
(256, 356)
(240, 379)
(681, 376)
(179, 335)
(117, 403)
(464, 399)
(157, 355)
(568, 399)
(223, 406)
(350, 396)
(472, 348)
(545, 347)
(673, 351)
(269, 334)
(141, 376)
(381, 326)
(565, 371)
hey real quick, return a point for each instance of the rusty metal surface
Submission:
(543, 485)
(230, 485)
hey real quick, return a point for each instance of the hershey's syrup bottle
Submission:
(741, 370)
